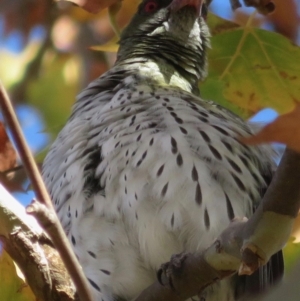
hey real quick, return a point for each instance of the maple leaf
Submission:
(8, 155)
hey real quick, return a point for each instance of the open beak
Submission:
(178, 4)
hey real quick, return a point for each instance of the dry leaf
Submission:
(8, 157)
(285, 129)
(285, 18)
(94, 6)
(8, 160)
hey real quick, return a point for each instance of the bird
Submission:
(146, 168)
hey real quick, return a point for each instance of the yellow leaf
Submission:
(12, 287)
(110, 46)
(13, 64)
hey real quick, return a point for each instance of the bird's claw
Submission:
(169, 269)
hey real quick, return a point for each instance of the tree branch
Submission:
(243, 247)
(32, 250)
(57, 234)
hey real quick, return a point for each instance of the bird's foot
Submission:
(169, 269)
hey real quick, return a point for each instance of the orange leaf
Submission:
(8, 158)
(94, 6)
(285, 18)
(285, 129)
(8, 155)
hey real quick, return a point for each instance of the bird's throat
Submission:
(163, 74)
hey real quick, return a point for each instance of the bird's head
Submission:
(173, 35)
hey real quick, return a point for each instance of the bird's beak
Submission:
(178, 4)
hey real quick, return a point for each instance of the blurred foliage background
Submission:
(45, 59)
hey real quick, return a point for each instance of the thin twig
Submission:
(59, 238)
(23, 149)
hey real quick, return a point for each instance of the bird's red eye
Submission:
(151, 6)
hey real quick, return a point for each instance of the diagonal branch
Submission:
(52, 226)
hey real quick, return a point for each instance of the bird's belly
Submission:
(151, 210)
(133, 248)
(152, 183)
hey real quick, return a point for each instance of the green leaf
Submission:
(254, 69)
(213, 90)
